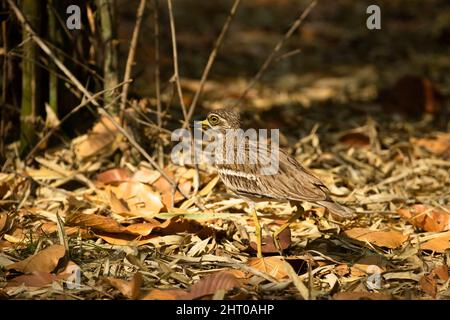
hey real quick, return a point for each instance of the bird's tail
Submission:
(338, 209)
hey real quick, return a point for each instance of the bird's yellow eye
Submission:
(213, 120)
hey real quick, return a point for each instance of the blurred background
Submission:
(332, 62)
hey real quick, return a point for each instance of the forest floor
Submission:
(92, 219)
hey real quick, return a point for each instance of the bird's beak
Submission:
(204, 122)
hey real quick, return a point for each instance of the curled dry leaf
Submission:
(130, 289)
(427, 218)
(126, 239)
(51, 227)
(389, 239)
(167, 191)
(44, 261)
(3, 218)
(35, 280)
(208, 285)
(273, 266)
(438, 244)
(146, 176)
(439, 146)
(222, 280)
(441, 272)
(134, 199)
(95, 221)
(168, 294)
(103, 137)
(140, 234)
(428, 284)
(39, 279)
(112, 176)
(355, 139)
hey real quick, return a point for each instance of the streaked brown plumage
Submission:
(291, 182)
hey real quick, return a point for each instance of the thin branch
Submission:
(131, 55)
(176, 74)
(158, 81)
(73, 111)
(275, 50)
(211, 60)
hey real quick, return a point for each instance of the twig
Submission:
(211, 60)
(73, 111)
(133, 142)
(4, 86)
(158, 81)
(274, 52)
(176, 74)
(131, 55)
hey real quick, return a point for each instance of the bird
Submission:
(290, 182)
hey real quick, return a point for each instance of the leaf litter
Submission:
(133, 235)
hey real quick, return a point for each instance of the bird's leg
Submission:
(276, 234)
(257, 231)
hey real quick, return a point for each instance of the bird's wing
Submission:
(288, 179)
(294, 182)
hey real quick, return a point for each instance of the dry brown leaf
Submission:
(135, 199)
(44, 261)
(438, 244)
(35, 280)
(3, 218)
(439, 146)
(102, 138)
(208, 285)
(428, 284)
(390, 239)
(427, 218)
(355, 139)
(222, 280)
(168, 294)
(130, 289)
(167, 191)
(144, 229)
(180, 225)
(51, 227)
(146, 176)
(126, 239)
(361, 296)
(441, 272)
(95, 221)
(112, 176)
(273, 266)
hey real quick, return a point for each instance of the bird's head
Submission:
(222, 119)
